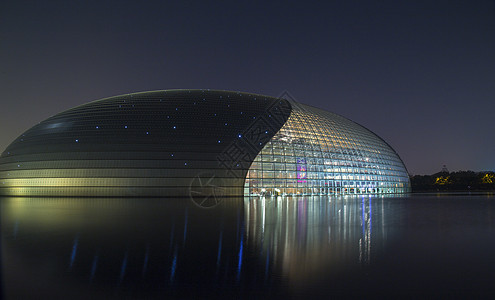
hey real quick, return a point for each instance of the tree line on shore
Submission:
(454, 181)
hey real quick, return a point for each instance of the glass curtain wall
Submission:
(320, 153)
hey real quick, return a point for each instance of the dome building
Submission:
(200, 143)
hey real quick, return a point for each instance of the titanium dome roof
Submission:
(200, 143)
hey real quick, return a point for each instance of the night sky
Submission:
(420, 74)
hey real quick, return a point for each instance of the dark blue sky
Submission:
(420, 74)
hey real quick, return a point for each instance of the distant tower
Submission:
(444, 169)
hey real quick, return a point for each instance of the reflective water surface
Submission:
(272, 247)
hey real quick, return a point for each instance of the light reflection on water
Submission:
(263, 247)
(311, 237)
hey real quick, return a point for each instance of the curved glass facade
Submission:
(201, 144)
(320, 153)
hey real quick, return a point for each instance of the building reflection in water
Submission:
(313, 237)
(166, 247)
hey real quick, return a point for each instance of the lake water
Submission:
(320, 247)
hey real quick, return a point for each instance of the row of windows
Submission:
(306, 191)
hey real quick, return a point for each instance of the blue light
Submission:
(93, 267)
(97, 127)
(74, 251)
(125, 126)
(77, 141)
(174, 266)
(147, 132)
(219, 141)
(175, 127)
(219, 253)
(239, 135)
(239, 263)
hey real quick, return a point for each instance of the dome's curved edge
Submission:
(292, 102)
(41, 186)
